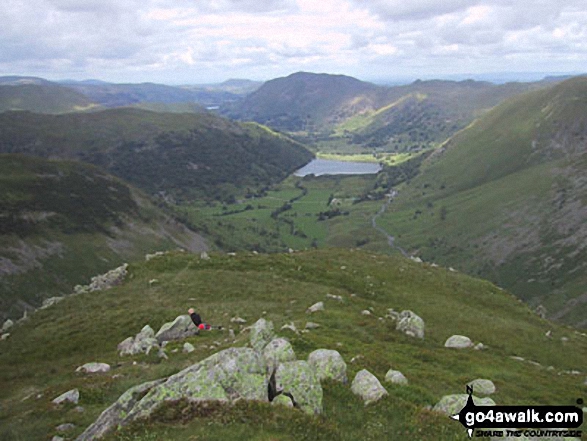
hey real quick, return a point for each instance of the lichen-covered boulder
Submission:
(94, 368)
(316, 307)
(277, 351)
(328, 365)
(452, 404)
(368, 387)
(458, 342)
(299, 380)
(229, 375)
(180, 328)
(71, 396)
(117, 412)
(261, 334)
(395, 377)
(410, 324)
(482, 386)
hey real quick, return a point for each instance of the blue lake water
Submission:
(330, 167)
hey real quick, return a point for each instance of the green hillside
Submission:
(175, 155)
(63, 222)
(40, 357)
(43, 98)
(505, 199)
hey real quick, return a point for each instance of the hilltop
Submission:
(41, 355)
(63, 222)
(41, 96)
(504, 199)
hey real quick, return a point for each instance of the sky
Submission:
(209, 41)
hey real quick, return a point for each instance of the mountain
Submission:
(63, 222)
(23, 93)
(178, 155)
(40, 357)
(505, 200)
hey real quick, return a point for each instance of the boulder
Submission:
(71, 396)
(227, 376)
(297, 378)
(291, 327)
(142, 343)
(452, 404)
(261, 334)
(57, 438)
(180, 328)
(115, 414)
(50, 302)
(188, 348)
(315, 307)
(410, 324)
(94, 368)
(368, 387)
(458, 342)
(312, 325)
(395, 377)
(277, 351)
(7, 325)
(328, 365)
(5, 336)
(482, 386)
(282, 400)
(66, 427)
(366, 312)
(204, 255)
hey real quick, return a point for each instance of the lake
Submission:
(319, 167)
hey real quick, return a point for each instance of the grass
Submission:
(39, 359)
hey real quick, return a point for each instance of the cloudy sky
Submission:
(198, 41)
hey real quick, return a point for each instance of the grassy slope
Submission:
(63, 222)
(505, 200)
(43, 98)
(39, 359)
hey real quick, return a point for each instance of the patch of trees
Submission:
(324, 215)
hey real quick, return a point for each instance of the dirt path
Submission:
(390, 238)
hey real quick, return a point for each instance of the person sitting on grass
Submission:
(198, 320)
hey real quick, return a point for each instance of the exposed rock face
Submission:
(328, 365)
(482, 386)
(94, 368)
(458, 342)
(104, 281)
(297, 378)
(115, 414)
(71, 396)
(277, 351)
(180, 328)
(235, 373)
(410, 324)
(261, 334)
(142, 343)
(395, 377)
(452, 404)
(368, 387)
(316, 307)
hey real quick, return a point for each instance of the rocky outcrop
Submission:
(180, 328)
(452, 404)
(482, 386)
(94, 368)
(261, 334)
(297, 380)
(104, 281)
(367, 386)
(458, 342)
(50, 302)
(328, 365)
(143, 342)
(410, 324)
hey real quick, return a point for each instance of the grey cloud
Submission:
(414, 9)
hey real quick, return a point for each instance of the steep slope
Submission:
(42, 98)
(505, 199)
(63, 222)
(40, 357)
(183, 156)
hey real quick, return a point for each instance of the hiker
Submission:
(198, 320)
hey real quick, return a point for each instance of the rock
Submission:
(227, 376)
(57, 438)
(392, 314)
(416, 259)
(180, 328)
(7, 325)
(315, 307)
(261, 334)
(5, 336)
(515, 357)
(94, 368)
(282, 400)
(291, 327)
(368, 387)
(79, 409)
(162, 354)
(452, 404)
(106, 281)
(410, 324)
(395, 377)
(152, 256)
(71, 396)
(277, 351)
(188, 348)
(482, 386)
(480, 347)
(311, 325)
(238, 320)
(231, 334)
(143, 343)
(328, 365)
(458, 342)
(50, 302)
(204, 255)
(113, 416)
(366, 312)
(333, 297)
(298, 379)
(65, 427)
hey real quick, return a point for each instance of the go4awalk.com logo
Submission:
(537, 421)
